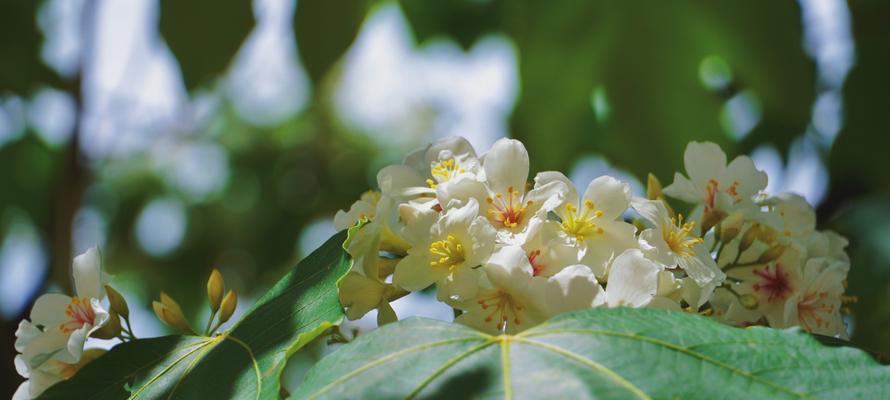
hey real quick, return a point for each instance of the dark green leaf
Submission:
(204, 35)
(245, 362)
(463, 20)
(596, 353)
(22, 69)
(324, 30)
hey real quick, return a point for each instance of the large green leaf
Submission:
(244, 363)
(204, 35)
(597, 353)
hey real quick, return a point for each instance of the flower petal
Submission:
(87, 269)
(633, 280)
(506, 166)
(704, 161)
(685, 190)
(608, 195)
(49, 310)
(414, 272)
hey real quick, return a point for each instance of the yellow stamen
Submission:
(583, 224)
(447, 253)
(679, 236)
(444, 171)
(507, 212)
(505, 309)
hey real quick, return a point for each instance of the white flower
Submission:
(510, 209)
(594, 223)
(513, 299)
(547, 252)
(634, 282)
(714, 184)
(360, 294)
(364, 208)
(425, 170)
(674, 243)
(816, 303)
(458, 242)
(60, 325)
(50, 373)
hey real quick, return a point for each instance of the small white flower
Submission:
(634, 282)
(513, 299)
(60, 325)
(593, 222)
(457, 243)
(674, 243)
(714, 184)
(360, 294)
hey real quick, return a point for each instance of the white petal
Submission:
(458, 219)
(460, 190)
(506, 166)
(685, 190)
(546, 177)
(23, 392)
(608, 195)
(460, 286)
(508, 267)
(750, 180)
(572, 288)
(546, 197)
(414, 272)
(633, 280)
(617, 236)
(653, 211)
(481, 236)
(704, 161)
(24, 333)
(45, 347)
(453, 146)
(701, 267)
(40, 381)
(653, 245)
(49, 310)
(87, 269)
(393, 179)
(359, 294)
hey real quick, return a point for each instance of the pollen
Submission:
(447, 253)
(504, 309)
(582, 224)
(508, 209)
(444, 171)
(679, 236)
(80, 313)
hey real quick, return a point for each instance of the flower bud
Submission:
(748, 238)
(653, 188)
(215, 290)
(111, 329)
(117, 302)
(731, 226)
(711, 218)
(228, 306)
(749, 301)
(169, 313)
(771, 254)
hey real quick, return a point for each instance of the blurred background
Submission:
(181, 136)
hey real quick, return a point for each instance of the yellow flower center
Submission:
(444, 171)
(679, 236)
(80, 313)
(447, 253)
(507, 210)
(504, 309)
(582, 224)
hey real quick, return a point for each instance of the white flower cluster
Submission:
(507, 253)
(51, 343)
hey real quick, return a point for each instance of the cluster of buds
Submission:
(221, 308)
(507, 253)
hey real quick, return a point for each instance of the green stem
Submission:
(209, 322)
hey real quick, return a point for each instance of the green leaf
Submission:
(244, 363)
(22, 69)
(204, 35)
(324, 30)
(463, 20)
(595, 353)
(622, 78)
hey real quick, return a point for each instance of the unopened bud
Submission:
(711, 218)
(111, 329)
(215, 290)
(771, 254)
(169, 313)
(748, 238)
(749, 301)
(767, 234)
(228, 306)
(731, 226)
(117, 302)
(653, 188)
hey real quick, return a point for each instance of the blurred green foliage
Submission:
(618, 79)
